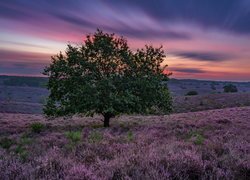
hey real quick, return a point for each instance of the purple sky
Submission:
(203, 39)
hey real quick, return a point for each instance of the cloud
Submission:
(8, 55)
(156, 22)
(23, 44)
(204, 56)
(113, 15)
(229, 15)
(78, 15)
(187, 70)
(124, 30)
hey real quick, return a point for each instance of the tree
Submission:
(103, 76)
(230, 88)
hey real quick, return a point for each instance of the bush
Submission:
(37, 127)
(130, 136)
(6, 143)
(74, 136)
(22, 152)
(95, 137)
(197, 137)
(230, 88)
(192, 93)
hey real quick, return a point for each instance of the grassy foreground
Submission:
(198, 145)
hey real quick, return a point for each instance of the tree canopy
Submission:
(104, 76)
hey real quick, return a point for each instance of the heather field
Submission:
(210, 144)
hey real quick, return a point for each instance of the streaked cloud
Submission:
(195, 33)
(204, 56)
(187, 70)
(15, 56)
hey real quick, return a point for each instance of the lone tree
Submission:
(103, 76)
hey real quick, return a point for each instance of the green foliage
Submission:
(95, 137)
(22, 152)
(37, 127)
(230, 88)
(197, 137)
(130, 136)
(6, 143)
(74, 136)
(192, 93)
(25, 141)
(103, 76)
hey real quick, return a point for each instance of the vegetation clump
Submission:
(192, 93)
(95, 137)
(6, 143)
(230, 88)
(37, 127)
(74, 136)
(130, 136)
(104, 76)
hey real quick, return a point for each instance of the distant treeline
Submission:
(24, 81)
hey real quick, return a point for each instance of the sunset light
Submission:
(202, 40)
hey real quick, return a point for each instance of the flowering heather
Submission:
(211, 144)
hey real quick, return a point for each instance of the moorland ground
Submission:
(207, 137)
(210, 144)
(22, 95)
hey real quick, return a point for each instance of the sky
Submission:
(202, 39)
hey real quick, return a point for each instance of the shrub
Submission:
(22, 152)
(130, 136)
(192, 93)
(230, 88)
(74, 136)
(6, 143)
(197, 137)
(95, 137)
(25, 141)
(37, 127)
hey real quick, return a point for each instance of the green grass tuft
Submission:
(37, 127)
(74, 136)
(130, 136)
(6, 143)
(95, 137)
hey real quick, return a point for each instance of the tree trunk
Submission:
(107, 117)
(106, 120)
